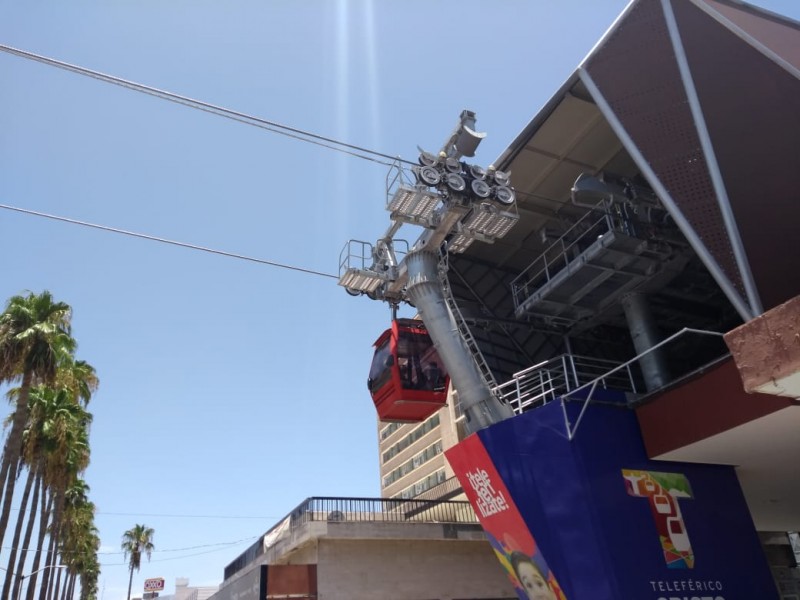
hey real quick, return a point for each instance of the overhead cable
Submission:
(273, 126)
(155, 551)
(175, 515)
(153, 238)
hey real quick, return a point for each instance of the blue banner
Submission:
(599, 520)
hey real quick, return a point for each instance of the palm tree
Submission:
(35, 334)
(79, 541)
(136, 541)
(79, 377)
(56, 451)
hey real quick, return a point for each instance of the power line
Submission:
(159, 560)
(177, 516)
(173, 516)
(153, 238)
(155, 551)
(273, 126)
(233, 543)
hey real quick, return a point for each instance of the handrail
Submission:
(461, 324)
(562, 249)
(550, 379)
(401, 177)
(592, 385)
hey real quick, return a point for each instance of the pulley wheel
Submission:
(429, 176)
(505, 195)
(455, 182)
(480, 188)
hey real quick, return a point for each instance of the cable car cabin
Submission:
(407, 380)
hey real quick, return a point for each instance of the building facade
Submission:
(361, 549)
(639, 317)
(411, 455)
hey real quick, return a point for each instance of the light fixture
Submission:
(413, 202)
(490, 221)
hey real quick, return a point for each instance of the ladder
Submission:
(461, 324)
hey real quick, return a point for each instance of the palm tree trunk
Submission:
(71, 588)
(56, 585)
(46, 591)
(55, 532)
(130, 582)
(13, 449)
(47, 505)
(15, 547)
(26, 543)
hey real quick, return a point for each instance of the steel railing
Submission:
(567, 248)
(585, 393)
(551, 379)
(397, 176)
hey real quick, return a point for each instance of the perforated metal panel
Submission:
(636, 72)
(750, 107)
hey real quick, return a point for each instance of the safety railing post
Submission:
(630, 378)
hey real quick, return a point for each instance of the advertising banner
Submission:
(595, 519)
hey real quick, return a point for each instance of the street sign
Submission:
(149, 595)
(155, 584)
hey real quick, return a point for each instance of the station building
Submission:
(641, 320)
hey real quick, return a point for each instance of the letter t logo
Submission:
(663, 491)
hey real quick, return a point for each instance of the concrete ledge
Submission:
(767, 351)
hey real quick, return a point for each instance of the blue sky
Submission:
(231, 391)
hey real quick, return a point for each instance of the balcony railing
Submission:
(355, 510)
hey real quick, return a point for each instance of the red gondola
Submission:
(407, 380)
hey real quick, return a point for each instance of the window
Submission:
(412, 437)
(424, 485)
(380, 372)
(416, 461)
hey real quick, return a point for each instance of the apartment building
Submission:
(411, 455)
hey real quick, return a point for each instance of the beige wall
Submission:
(409, 570)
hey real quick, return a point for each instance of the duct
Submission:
(644, 334)
(424, 289)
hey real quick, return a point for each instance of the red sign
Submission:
(501, 520)
(156, 584)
